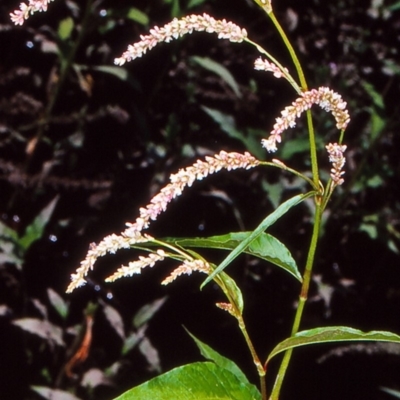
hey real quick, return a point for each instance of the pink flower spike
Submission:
(265, 65)
(158, 204)
(178, 28)
(326, 98)
(19, 16)
(187, 268)
(338, 160)
(135, 267)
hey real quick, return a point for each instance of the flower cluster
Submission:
(158, 204)
(229, 308)
(187, 268)
(135, 267)
(180, 27)
(265, 65)
(19, 16)
(337, 159)
(326, 98)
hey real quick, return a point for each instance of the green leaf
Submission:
(65, 28)
(197, 381)
(375, 96)
(210, 354)
(378, 123)
(220, 70)
(265, 246)
(10, 250)
(136, 15)
(267, 222)
(132, 340)
(58, 303)
(226, 122)
(147, 312)
(394, 7)
(231, 290)
(332, 334)
(394, 393)
(175, 8)
(35, 230)
(194, 3)
(118, 72)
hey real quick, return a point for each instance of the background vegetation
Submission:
(83, 144)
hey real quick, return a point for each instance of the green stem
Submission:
(65, 66)
(279, 164)
(302, 300)
(304, 87)
(285, 73)
(256, 359)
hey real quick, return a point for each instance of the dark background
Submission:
(104, 143)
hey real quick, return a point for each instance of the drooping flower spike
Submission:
(326, 98)
(158, 204)
(338, 160)
(265, 65)
(180, 27)
(19, 16)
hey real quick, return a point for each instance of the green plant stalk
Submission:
(304, 87)
(256, 359)
(289, 78)
(302, 300)
(65, 66)
(284, 167)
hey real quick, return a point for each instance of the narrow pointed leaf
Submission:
(42, 328)
(198, 381)
(147, 312)
(332, 334)
(36, 229)
(220, 70)
(267, 222)
(59, 304)
(210, 354)
(394, 393)
(115, 320)
(265, 246)
(232, 290)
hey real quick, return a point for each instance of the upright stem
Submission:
(302, 300)
(256, 359)
(303, 84)
(318, 212)
(65, 66)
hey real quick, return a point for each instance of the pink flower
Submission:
(338, 160)
(187, 268)
(158, 204)
(178, 28)
(19, 16)
(326, 98)
(265, 65)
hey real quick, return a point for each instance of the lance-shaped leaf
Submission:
(197, 381)
(264, 246)
(267, 222)
(210, 354)
(35, 230)
(220, 70)
(42, 328)
(332, 334)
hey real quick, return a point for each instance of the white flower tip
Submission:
(119, 61)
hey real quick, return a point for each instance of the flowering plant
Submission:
(220, 377)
